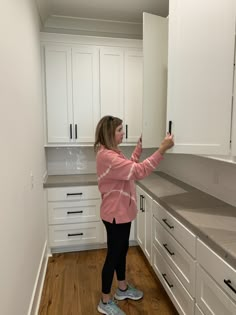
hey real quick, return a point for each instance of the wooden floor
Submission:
(73, 283)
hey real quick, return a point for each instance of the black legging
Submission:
(117, 248)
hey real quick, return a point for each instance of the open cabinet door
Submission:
(155, 38)
(200, 75)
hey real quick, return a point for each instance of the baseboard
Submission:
(38, 287)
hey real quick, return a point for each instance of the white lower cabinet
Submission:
(197, 280)
(174, 258)
(216, 283)
(144, 222)
(183, 265)
(210, 297)
(74, 218)
(182, 300)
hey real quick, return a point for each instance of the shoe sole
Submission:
(101, 310)
(121, 298)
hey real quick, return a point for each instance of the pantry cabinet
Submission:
(72, 93)
(121, 84)
(86, 78)
(200, 75)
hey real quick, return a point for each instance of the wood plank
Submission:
(73, 283)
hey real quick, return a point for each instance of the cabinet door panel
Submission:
(210, 297)
(155, 37)
(85, 62)
(140, 219)
(111, 82)
(58, 93)
(133, 89)
(200, 73)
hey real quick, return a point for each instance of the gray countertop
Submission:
(211, 219)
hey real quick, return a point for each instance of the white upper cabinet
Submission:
(72, 93)
(58, 93)
(133, 94)
(155, 44)
(111, 82)
(121, 88)
(200, 75)
(85, 92)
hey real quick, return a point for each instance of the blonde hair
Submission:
(105, 132)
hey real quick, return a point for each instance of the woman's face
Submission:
(119, 133)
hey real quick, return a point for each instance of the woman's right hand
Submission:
(167, 143)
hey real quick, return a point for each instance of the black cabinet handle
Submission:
(228, 283)
(70, 131)
(169, 284)
(75, 234)
(165, 246)
(169, 226)
(170, 127)
(72, 212)
(126, 131)
(74, 194)
(75, 131)
(142, 208)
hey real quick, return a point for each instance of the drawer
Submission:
(220, 271)
(73, 193)
(182, 300)
(210, 297)
(198, 310)
(179, 260)
(74, 211)
(75, 234)
(185, 237)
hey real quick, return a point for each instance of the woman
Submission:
(116, 175)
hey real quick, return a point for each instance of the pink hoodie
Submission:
(116, 175)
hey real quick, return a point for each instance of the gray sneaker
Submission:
(130, 293)
(111, 308)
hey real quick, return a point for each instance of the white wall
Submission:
(214, 177)
(22, 214)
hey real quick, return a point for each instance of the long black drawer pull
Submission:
(74, 194)
(171, 253)
(75, 234)
(75, 131)
(126, 131)
(142, 208)
(169, 226)
(72, 212)
(70, 131)
(169, 284)
(228, 283)
(170, 127)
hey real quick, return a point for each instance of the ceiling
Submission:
(121, 10)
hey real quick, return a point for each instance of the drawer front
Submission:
(179, 260)
(74, 234)
(210, 297)
(220, 271)
(73, 193)
(183, 302)
(185, 237)
(74, 212)
(198, 310)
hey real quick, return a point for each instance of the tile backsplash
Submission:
(79, 160)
